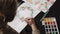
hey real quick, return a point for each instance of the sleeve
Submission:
(9, 30)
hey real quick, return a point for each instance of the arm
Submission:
(34, 29)
(31, 22)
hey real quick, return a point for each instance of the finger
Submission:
(26, 20)
(29, 18)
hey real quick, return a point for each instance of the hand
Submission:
(30, 21)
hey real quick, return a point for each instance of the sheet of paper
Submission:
(17, 24)
(23, 12)
(47, 4)
(42, 5)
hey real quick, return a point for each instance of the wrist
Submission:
(34, 28)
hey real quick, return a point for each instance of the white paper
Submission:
(30, 10)
(18, 23)
(27, 11)
(42, 5)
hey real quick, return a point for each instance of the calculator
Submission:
(50, 25)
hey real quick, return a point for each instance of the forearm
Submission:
(34, 29)
(31, 22)
(36, 32)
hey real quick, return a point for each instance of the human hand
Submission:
(30, 21)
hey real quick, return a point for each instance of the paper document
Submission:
(29, 9)
(23, 11)
(42, 5)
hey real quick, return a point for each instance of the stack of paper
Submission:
(23, 11)
(30, 9)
